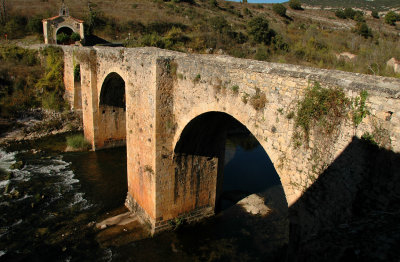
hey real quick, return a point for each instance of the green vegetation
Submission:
(259, 29)
(369, 138)
(258, 100)
(26, 84)
(197, 78)
(251, 31)
(279, 9)
(363, 30)
(65, 39)
(51, 85)
(391, 18)
(360, 110)
(17, 26)
(78, 142)
(375, 14)
(320, 108)
(235, 89)
(379, 5)
(350, 13)
(379, 137)
(295, 5)
(19, 72)
(77, 73)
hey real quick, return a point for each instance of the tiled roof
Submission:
(57, 16)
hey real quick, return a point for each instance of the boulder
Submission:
(346, 56)
(395, 64)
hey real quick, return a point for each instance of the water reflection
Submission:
(103, 175)
(248, 169)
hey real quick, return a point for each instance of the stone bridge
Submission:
(173, 110)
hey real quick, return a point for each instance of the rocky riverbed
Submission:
(38, 123)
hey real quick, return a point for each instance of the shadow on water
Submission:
(102, 175)
(351, 213)
(247, 170)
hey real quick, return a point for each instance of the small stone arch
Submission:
(113, 91)
(112, 112)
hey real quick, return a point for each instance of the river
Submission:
(49, 206)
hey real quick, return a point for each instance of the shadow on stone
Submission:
(352, 210)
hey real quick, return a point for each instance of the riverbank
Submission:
(37, 124)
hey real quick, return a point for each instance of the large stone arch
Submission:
(189, 185)
(217, 124)
(237, 113)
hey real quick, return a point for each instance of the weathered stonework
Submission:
(53, 24)
(166, 90)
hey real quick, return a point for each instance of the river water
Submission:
(48, 208)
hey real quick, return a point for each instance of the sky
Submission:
(262, 1)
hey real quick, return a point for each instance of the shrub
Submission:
(153, 40)
(295, 5)
(340, 14)
(321, 107)
(359, 17)
(391, 18)
(349, 13)
(363, 30)
(235, 89)
(279, 9)
(258, 100)
(360, 110)
(261, 53)
(78, 142)
(75, 37)
(63, 38)
(375, 14)
(258, 28)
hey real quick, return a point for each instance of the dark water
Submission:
(48, 208)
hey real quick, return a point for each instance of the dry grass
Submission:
(313, 37)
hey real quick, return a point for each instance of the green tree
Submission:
(258, 28)
(35, 25)
(391, 18)
(295, 5)
(92, 19)
(279, 9)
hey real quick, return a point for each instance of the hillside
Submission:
(379, 5)
(311, 37)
